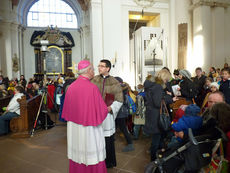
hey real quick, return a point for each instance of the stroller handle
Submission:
(191, 137)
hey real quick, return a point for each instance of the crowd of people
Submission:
(96, 106)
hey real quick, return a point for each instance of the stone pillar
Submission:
(96, 30)
(9, 38)
(218, 35)
(209, 32)
(179, 13)
(21, 30)
(15, 46)
(202, 37)
(6, 49)
(227, 36)
(173, 46)
(106, 32)
(85, 46)
(1, 50)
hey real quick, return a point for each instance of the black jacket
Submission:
(154, 94)
(188, 89)
(225, 89)
(199, 83)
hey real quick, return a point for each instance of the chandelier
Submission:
(145, 3)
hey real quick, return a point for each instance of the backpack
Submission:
(193, 90)
(131, 105)
(141, 104)
(124, 110)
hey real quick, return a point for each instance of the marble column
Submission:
(209, 32)
(15, 45)
(21, 30)
(6, 48)
(218, 35)
(202, 37)
(173, 46)
(96, 29)
(85, 46)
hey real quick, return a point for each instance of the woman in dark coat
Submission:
(154, 89)
(187, 87)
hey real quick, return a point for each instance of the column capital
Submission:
(211, 3)
(21, 27)
(84, 28)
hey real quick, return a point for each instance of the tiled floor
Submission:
(46, 153)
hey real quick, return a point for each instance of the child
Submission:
(139, 117)
(214, 86)
(191, 119)
(225, 84)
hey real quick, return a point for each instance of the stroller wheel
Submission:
(151, 168)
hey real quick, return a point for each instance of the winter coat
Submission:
(199, 84)
(67, 83)
(111, 86)
(188, 89)
(228, 147)
(154, 94)
(225, 89)
(188, 121)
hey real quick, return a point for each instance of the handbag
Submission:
(164, 120)
(218, 163)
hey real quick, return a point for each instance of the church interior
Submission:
(49, 37)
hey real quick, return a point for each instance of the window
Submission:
(51, 12)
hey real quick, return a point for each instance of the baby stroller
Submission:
(190, 157)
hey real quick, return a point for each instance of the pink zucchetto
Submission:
(83, 64)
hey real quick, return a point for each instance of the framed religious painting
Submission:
(54, 60)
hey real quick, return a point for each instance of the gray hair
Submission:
(84, 70)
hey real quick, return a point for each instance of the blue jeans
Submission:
(4, 122)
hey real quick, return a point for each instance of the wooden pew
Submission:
(176, 105)
(4, 101)
(28, 113)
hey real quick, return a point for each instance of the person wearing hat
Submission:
(84, 110)
(190, 119)
(214, 87)
(111, 91)
(187, 87)
(175, 80)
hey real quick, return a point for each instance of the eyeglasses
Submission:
(101, 66)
